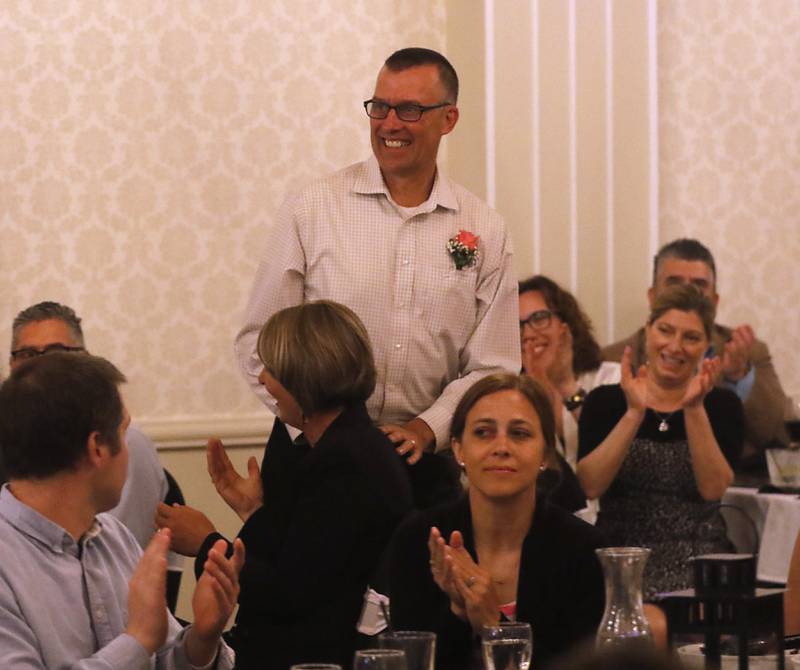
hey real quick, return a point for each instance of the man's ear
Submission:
(651, 296)
(450, 119)
(97, 451)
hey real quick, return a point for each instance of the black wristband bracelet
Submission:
(575, 400)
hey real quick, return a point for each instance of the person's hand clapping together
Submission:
(634, 386)
(147, 604)
(736, 356)
(702, 383)
(215, 598)
(243, 495)
(469, 586)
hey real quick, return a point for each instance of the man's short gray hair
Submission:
(43, 311)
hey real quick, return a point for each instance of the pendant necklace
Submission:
(663, 427)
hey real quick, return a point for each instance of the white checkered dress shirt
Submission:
(434, 329)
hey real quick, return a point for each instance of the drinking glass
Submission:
(379, 659)
(507, 646)
(419, 646)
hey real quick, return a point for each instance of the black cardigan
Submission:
(560, 590)
(328, 514)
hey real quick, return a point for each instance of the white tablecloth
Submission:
(777, 517)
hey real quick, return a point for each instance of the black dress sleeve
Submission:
(417, 603)
(561, 590)
(726, 415)
(602, 410)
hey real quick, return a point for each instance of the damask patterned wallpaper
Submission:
(730, 156)
(144, 146)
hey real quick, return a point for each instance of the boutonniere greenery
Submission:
(463, 249)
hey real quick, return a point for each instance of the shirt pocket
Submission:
(446, 300)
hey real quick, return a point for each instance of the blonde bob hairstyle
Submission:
(503, 381)
(320, 353)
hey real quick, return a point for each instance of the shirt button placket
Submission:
(401, 312)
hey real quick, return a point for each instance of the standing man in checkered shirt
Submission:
(395, 240)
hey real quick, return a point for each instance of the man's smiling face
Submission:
(407, 149)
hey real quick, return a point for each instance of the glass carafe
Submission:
(623, 621)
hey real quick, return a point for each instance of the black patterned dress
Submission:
(653, 501)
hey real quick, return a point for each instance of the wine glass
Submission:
(507, 646)
(418, 645)
(379, 659)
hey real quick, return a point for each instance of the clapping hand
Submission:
(147, 604)
(552, 368)
(736, 355)
(214, 600)
(634, 386)
(442, 567)
(559, 370)
(702, 382)
(467, 584)
(243, 495)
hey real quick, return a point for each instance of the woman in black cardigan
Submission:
(501, 552)
(321, 511)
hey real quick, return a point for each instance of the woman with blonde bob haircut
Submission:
(320, 352)
(319, 512)
(502, 552)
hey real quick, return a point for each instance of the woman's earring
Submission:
(542, 467)
(461, 464)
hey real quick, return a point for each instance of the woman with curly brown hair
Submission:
(559, 350)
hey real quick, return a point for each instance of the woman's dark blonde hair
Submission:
(320, 353)
(503, 381)
(685, 298)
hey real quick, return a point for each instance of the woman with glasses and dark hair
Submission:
(560, 352)
(501, 552)
(319, 514)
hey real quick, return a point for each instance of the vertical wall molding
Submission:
(536, 166)
(573, 152)
(652, 108)
(608, 32)
(574, 172)
(491, 140)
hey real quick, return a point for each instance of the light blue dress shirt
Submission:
(64, 604)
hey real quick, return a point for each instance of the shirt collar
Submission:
(369, 181)
(29, 522)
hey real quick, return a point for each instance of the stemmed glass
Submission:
(379, 659)
(419, 647)
(507, 646)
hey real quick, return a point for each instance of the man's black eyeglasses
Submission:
(537, 320)
(406, 111)
(25, 353)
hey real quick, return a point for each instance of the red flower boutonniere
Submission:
(464, 249)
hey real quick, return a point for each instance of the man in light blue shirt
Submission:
(75, 589)
(50, 326)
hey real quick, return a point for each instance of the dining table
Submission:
(776, 518)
